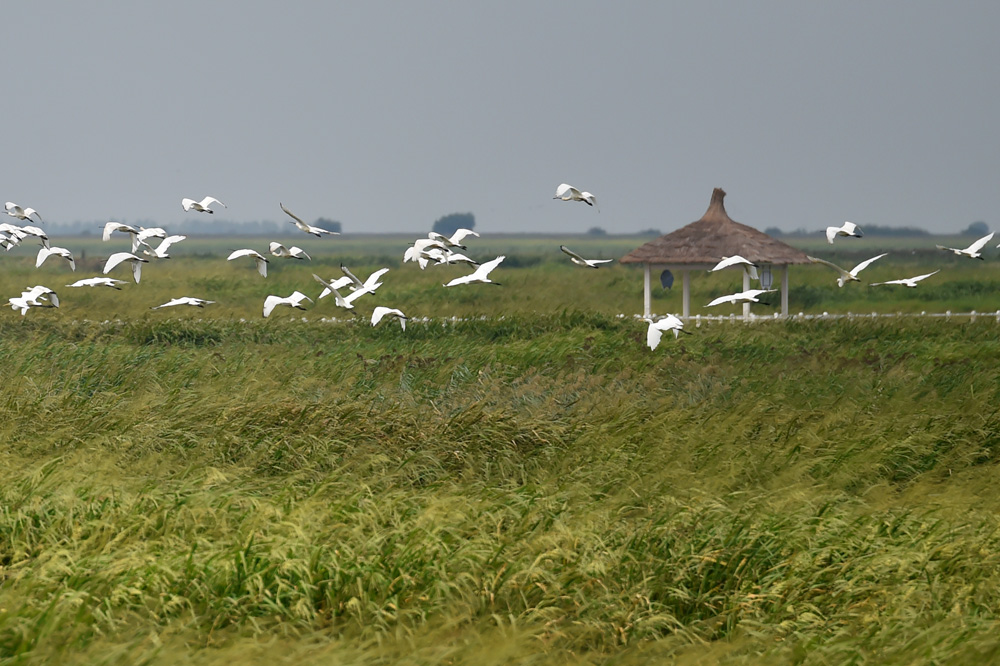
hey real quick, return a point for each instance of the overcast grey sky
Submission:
(387, 115)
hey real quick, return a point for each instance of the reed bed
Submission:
(523, 488)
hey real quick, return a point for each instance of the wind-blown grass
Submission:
(537, 487)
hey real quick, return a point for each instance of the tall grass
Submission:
(532, 488)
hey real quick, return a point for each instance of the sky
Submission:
(386, 116)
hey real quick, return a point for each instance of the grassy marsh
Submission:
(192, 488)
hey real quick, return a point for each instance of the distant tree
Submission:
(774, 231)
(876, 230)
(650, 232)
(449, 224)
(976, 229)
(328, 224)
(596, 231)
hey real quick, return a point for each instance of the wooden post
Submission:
(746, 287)
(784, 292)
(645, 292)
(686, 308)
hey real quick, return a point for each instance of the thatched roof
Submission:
(713, 237)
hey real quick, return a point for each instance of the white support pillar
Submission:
(686, 307)
(784, 292)
(746, 287)
(645, 291)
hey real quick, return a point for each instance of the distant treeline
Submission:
(194, 227)
(869, 230)
(978, 228)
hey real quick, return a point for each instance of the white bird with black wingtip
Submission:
(847, 276)
(260, 259)
(580, 261)
(973, 251)
(203, 206)
(380, 311)
(658, 326)
(308, 228)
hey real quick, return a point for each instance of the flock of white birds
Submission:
(675, 324)
(435, 249)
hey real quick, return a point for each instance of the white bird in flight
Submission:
(293, 252)
(439, 256)
(46, 252)
(480, 274)
(906, 282)
(260, 259)
(567, 192)
(657, 327)
(98, 282)
(580, 261)
(749, 296)
(847, 276)
(21, 213)
(308, 228)
(342, 301)
(456, 238)
(112, 227)
(161, 250)
(29, 230)
(14, 232)
(119, 257)
(846, 229)
(295, 301)
(380, 311)
(184, 300)
(35, 297)
(749, 267)
(973, 250)
(202, 206)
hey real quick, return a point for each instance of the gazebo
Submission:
(702, 244)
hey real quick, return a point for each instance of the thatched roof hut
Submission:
(702, 244)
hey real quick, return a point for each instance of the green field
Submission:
(528, 483)
(536, 277)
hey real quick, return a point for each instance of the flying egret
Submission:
(580, 261)
(480, 274)
(381, 311)
(973, 250)
(98, 282)
(442, 257)
(295, 301)
(749, 296)
(112, 227)
(567, 192)
(30, 230)
(161, 250)
(749, 267)
(15, 234)
(46, 252)
(342, 301)
(338, 284)
(371, 283)
(846, 229)
(906, 282)
(184, 300)
(30, 299)
(21, 213)
(119, 257)
(847, 276)
(293, 252)
(201, 206)
(421, 249)
(258, 257)
(657, 327)
(455, 240)
(308, 228)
